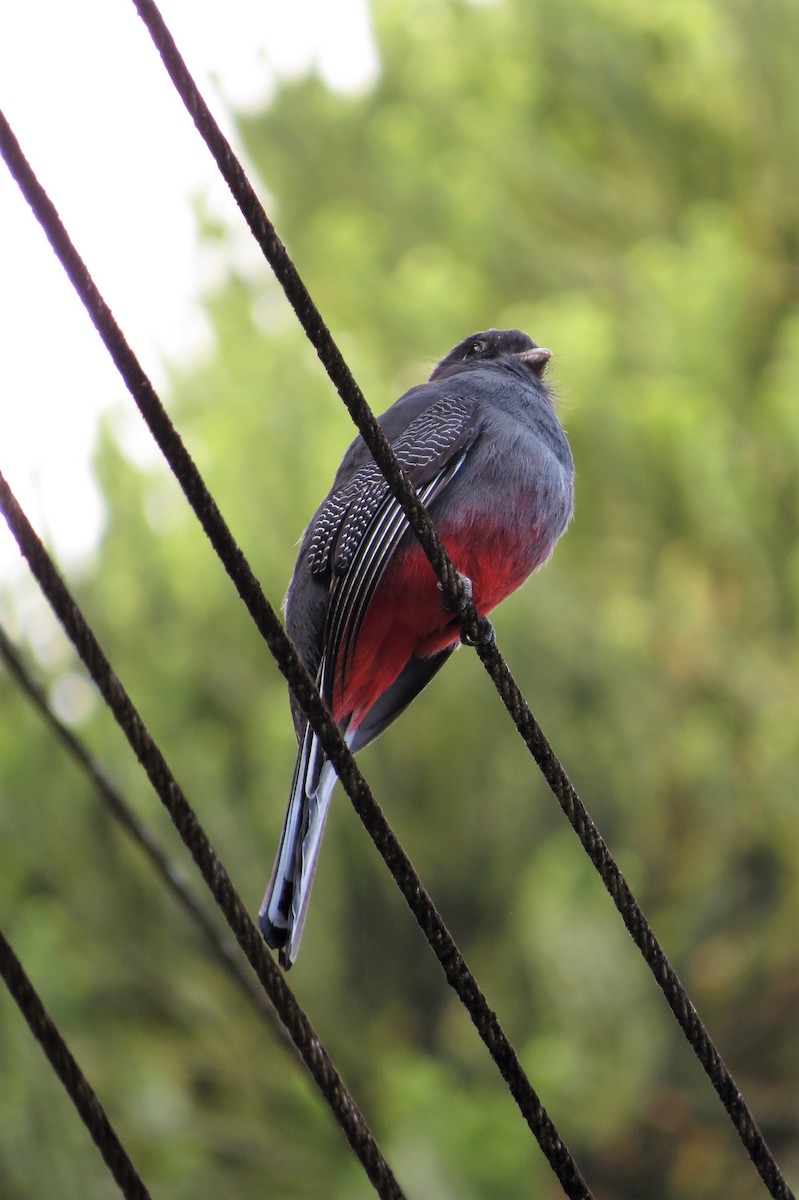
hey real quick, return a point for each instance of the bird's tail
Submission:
(285, 905)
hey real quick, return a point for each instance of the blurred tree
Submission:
(618, 179)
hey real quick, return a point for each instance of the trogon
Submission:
(482, 444)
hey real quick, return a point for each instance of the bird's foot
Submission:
(483, 632)
(465, 596)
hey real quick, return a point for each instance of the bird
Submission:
(482, 443)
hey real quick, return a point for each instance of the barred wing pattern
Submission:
(361, 525)
(427, 445)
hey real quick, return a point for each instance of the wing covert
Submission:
(429, 442)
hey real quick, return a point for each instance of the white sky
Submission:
(84, 90)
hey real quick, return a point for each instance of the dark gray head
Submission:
(508, 346)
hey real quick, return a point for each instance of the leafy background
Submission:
(619, 179)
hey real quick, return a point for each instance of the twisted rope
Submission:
(170, 874)
(77, 1086)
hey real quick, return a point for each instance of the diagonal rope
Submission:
(170, 873)
(674, 991)
(269, 625)
(77, 1086)
(213, 872)
(476, 630)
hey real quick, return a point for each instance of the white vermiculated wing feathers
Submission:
(427, 444)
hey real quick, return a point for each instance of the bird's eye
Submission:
(475, 349)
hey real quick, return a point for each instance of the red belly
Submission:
(406, 616)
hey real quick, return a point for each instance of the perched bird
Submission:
(484, 448)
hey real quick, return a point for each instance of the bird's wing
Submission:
(360, 526)
(425, 446)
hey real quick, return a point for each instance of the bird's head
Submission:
(510, 346)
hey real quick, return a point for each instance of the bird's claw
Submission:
(485, 634)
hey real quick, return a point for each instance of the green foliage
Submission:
(618, 179)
